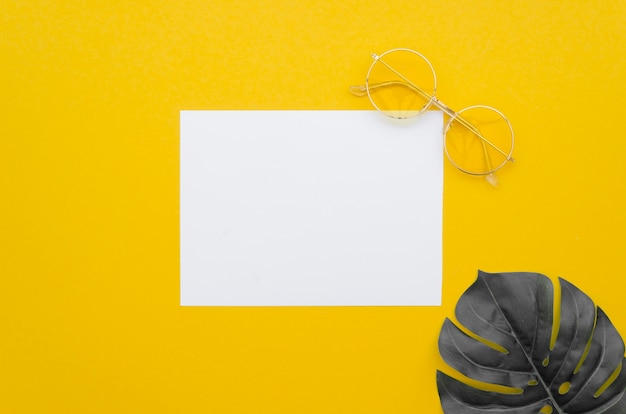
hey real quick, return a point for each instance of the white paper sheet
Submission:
(310, 208)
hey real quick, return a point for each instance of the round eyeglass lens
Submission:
(478, 140)
(401, 83)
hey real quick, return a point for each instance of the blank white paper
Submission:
(310, 208)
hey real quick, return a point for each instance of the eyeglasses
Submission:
(401, 83)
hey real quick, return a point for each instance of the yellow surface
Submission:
(89, 282)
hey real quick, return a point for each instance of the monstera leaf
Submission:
(510, 361)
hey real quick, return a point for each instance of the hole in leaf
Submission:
(608, 382)
(533, 382)
(556, 314)
(485, 341)
(486, 386)
(545, 362)
(546, 409)
(564, 388)
(584, 356)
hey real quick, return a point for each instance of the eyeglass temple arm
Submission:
(361, 90)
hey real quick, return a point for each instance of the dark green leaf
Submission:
(508, 318)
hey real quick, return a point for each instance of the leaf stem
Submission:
(528, 357)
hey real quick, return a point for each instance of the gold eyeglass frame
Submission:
(431, 100)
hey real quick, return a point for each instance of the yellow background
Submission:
(91, 91)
